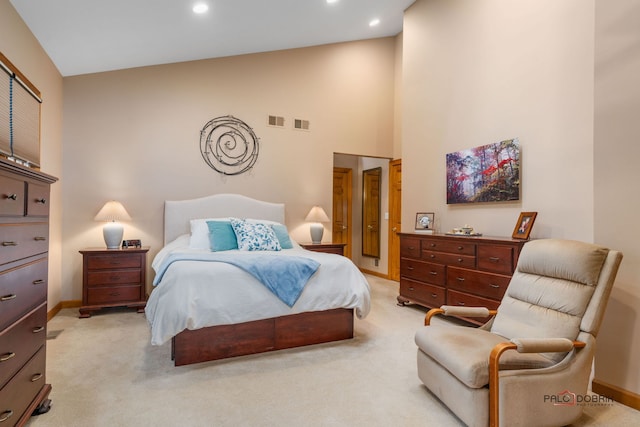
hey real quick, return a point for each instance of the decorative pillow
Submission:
(221, 236)
(283, 236)
(200, 233)
(254, 236)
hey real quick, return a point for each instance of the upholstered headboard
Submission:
(178, 214)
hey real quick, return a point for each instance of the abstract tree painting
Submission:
(489, 173)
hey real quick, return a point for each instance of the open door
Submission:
(342, 200)
(395, 217)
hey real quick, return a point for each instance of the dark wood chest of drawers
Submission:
(113, 278)
(24, 247)
(456, 270)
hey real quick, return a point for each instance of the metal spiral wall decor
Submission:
(228, 145)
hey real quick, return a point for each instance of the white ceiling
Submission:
(88, 36)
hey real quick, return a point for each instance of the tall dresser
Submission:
(24, 246)
(437, 269)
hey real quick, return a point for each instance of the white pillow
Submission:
(255, 236)
(200, 233)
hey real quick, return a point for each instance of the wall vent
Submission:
(277, 121)
(301, 124)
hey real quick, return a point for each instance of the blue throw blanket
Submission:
(285, 276)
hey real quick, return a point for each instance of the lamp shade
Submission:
(316, 215)
(112, 212)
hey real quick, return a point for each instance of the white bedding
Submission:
(197, 294)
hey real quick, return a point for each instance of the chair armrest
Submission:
(545, 345)
(450, 310)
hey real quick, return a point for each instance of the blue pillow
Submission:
(283, 236)
(221, 236)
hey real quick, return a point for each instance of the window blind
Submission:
(19, 116)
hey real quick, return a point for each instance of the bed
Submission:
(210, 306)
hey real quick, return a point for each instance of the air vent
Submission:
(301, 124)
(277, 121)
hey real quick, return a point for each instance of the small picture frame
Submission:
(424, 220)
(524, 225)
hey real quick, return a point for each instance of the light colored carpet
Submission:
(104, 372)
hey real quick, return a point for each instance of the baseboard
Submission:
(374, 273)
(616, 393)
(62, 304)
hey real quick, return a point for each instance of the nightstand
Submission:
(113, 278)
(330, 248)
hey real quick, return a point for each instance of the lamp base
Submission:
(112, 233)
(317, 230)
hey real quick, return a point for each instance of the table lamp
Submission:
(112, 212)
(316, 215)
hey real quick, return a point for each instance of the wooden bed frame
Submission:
(224, 341)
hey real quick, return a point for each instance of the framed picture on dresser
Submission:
(524, 225)
(424, 220)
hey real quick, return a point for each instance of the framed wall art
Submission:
(489, 173)
(424, 220)
(524, 225)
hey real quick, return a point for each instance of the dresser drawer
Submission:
(19, 241)
(496, 258)
(21, 290)
(483, 284)
(114, 277)
(429, 295)
(37, 200)
(423, 271)
(19, 392)
(449, 259)
(11, 196)
(410, 248)
(104, 262)
(113, 295)
(20, 341)
(461, 247)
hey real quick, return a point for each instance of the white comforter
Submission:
(197, 294)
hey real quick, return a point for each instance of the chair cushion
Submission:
(464, 351)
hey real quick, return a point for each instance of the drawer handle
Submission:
(412, 289)
(433, 273)
(6, 415)
(409, 267)
(433, 245)
(8, 297)
(460, 303)
(9, 243)
(38, 329)
(6, 356)
(460, 279)
(494, 286)
(12, 196)
(38, 282)
(460, 260)
(494, 259)
(39, 238)
(41, 200)
(434, 295)
(411, 248)
(460, 248)
(114, 294)
(36, 377)
(432, 256)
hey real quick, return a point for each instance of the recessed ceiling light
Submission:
(374, 22)
(200, 8)
(332, 1)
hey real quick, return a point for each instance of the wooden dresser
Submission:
(113, 278)
(437, 269)
(24, 246)
(330, 248)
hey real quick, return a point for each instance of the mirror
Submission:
(371, 212)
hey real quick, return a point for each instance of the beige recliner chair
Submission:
(530, 365)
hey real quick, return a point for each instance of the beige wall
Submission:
(478, 72)
(133, 135)
(23, 50)
(617, 151)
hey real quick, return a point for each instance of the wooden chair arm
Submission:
(450, 310)
(522, 345)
